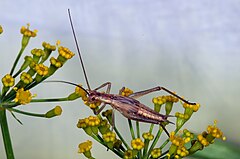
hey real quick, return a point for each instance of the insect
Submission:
(129, 106)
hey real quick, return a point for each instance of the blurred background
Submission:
(192, 48)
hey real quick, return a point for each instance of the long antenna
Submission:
(78, 50)
(74, 84)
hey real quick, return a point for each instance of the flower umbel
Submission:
(41, 69)
(126, 92)
(22, 82)
(8, 80)
(26, 78)
(109, 136)
(85, 146)
(215, 131)
(156, 153)
(27, 32)
(137, 144)
(23, 97)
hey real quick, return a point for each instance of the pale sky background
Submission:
(191, 47)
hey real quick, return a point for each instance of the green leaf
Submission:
(218, 150)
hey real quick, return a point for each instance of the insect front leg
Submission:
(108, 84)
(142, 93)
(96, 112)
(121, 90)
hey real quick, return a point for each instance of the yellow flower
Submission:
(55, 62)
(163, 99)
(202, 140)
(37, 52)
(8, 80)
(94, 105)
(215, 131)
(23, 97)
(128, 154)
(26, 78)
(26, 32)
(176, 140)
(81, 92)
(137, 144)
(182, 116)
(48, 46)
(126, 92)
(41, 69)
(92, 121)
(147, 136)
(194, 107)
(187, 135)
(109, 136)
(182, 152)
(81, 123)
(155, 153)
(65, 52)
(85, 146)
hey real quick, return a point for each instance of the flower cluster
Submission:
(126, 92)
(32, 71)
(180, 147)
(146, 147)
(17, 83)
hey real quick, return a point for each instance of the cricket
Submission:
(129, 106)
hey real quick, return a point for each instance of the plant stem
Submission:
(50, 100)
(17, 59)
(27, 113)
(138, 129)
(6, 135)
(154, 141)
(121, 138)
(131, 128)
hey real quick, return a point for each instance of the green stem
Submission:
(17, 59)
(147, 142)
(27, 113)
(6, 135)
(121, 138)
(131, 128)
(154, 141)
(138, 135)
(151, 128)
(138, 129)
(13, 104)
(50, 100)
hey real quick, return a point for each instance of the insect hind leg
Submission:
(158, 88)
(163, 127)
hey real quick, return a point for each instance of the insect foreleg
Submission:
(121, 90)
(96, 112)
(113, 119)
(108, 84)
(142, 93)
